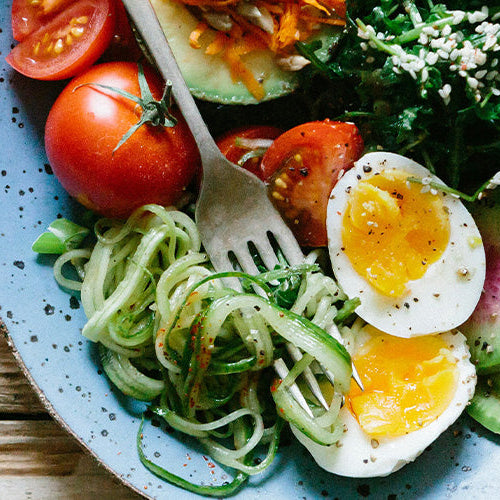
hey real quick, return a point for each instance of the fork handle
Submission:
(144, 17)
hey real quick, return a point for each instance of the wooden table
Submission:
(38, 459)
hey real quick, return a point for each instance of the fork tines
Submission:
(310, 379)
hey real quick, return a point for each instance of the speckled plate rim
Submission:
(58, 418)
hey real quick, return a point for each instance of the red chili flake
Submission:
(160, 344)
(282, 410)
(282, 315)
(276, 384)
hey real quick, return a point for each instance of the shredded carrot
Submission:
(194, 37)
(332, 21)
(338, 6)
(209, 3)
(240, 72)
(287, 21)
(218, 44)
(318, 6)
(288, 32)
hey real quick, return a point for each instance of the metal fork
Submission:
(233, 208)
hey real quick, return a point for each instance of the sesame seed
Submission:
(423, 39)
(472, 82)
(431, 58)
(458, 16)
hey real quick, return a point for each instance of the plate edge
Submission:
(55, 415)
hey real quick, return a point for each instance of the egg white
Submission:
(447, 293)
(358, 455)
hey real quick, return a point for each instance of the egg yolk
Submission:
(408, 383)
(392, 231)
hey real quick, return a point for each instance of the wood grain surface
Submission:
(38, 459)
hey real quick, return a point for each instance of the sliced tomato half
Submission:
(301, 168)
(69, 42)
(30, 15)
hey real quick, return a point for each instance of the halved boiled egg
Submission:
(413, 255)
(414, 389)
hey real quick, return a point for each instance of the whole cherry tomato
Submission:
(84, 127)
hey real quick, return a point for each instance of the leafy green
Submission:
(379, 77)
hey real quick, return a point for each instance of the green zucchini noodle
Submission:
(172, 333)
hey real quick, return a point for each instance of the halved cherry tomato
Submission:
(86, 124)
(68, 43)
(236, 143)
(29, 15)
(302, 166)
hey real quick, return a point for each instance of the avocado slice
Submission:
(209, 78)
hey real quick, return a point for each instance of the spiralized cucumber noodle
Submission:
(171, 332)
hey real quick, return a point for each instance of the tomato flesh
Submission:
(233, 151)
(30, 15)
(68, 43)
(302, 166)
(84, 126)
